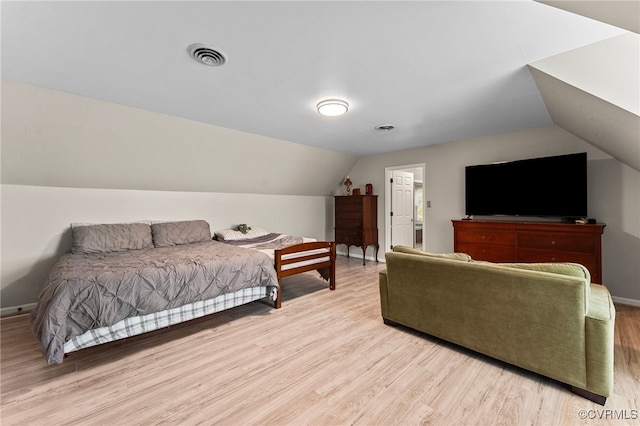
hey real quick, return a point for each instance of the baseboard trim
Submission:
(625, 301)
(359, 256)
(17, 310)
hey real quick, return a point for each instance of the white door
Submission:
(402, 230)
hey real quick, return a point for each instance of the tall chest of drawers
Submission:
(502, 241)
(356, 222)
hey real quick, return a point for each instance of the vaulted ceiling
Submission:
(439, 71)
(594, 91)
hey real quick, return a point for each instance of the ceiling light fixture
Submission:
(332, 107)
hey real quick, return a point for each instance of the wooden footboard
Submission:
(304, 257)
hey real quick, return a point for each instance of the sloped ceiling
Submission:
(594, 91)
(620, 13)
(439, 71)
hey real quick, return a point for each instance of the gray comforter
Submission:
(87, 291)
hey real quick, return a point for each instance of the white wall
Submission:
(35, 222)
(52, 138)
(613, 192)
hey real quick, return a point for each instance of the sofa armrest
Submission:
(384, 295)
(599, 329)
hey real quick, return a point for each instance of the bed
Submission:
(291, 254)
(121, 280)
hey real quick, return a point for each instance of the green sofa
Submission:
(545, 317)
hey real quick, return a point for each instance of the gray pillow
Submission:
(176, 233)
(110, 237)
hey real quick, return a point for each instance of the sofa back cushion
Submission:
(453, 256)
(570, 269)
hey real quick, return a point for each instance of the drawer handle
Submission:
(483, 237)
(553, 243)
(553, 259)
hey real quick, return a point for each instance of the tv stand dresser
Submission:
(506, 241)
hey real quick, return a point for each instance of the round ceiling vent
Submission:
(385, 127)
(207, 55)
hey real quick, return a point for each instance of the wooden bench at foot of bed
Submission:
(304, 257)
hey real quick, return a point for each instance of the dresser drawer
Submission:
(486, 237)
(342, 210)
(348, 237)
(349, 215)
(532, 242)
(557, 242)
(488, 252)
(349, 204)
(345, 225)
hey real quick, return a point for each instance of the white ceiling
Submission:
(439, 71)
(621, 13)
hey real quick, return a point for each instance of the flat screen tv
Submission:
(541, 187)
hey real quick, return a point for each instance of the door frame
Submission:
(387, 200)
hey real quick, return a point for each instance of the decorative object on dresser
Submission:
(356, 222)
(505, 241)
(368, 189)
(347, 184)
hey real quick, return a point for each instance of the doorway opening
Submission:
(404, 206)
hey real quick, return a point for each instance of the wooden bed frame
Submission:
(327, 269)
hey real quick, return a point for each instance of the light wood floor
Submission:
(325, 358)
